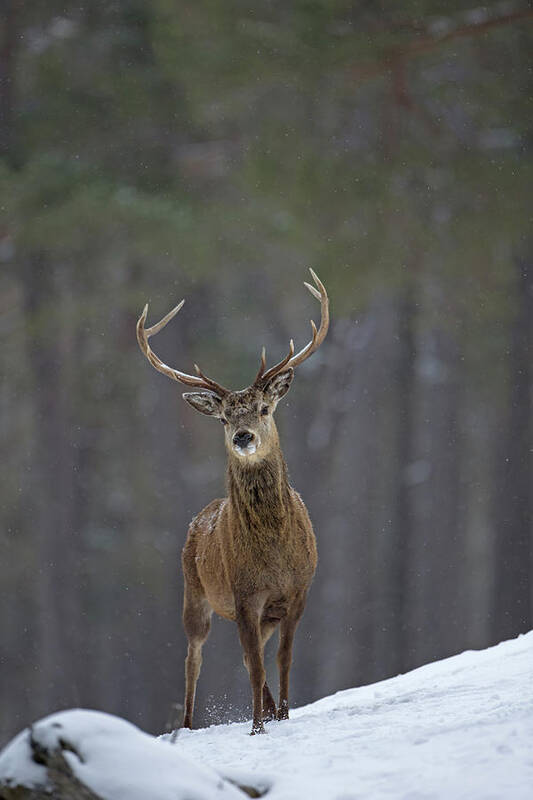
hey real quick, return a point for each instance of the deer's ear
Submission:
(279, 385)
(206, 402)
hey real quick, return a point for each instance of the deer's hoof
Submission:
(282, 712)
(257, 729)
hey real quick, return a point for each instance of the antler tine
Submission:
(318, 336)
(161, 324)
(264, 378)
(143, 334)
(210, 383)
(262, 367)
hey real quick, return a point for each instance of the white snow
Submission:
(249, 450)
(116, 760)
(458, 728)
(16, 765)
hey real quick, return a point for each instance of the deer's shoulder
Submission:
(207, 518)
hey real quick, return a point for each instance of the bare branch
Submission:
(424, 44)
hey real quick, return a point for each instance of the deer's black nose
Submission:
(242, 438)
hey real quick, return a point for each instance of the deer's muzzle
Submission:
(242, 439)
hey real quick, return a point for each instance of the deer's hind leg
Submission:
(197, 622)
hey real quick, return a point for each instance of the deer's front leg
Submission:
(248, 621)
(284, 658)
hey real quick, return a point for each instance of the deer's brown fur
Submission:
(251, 556)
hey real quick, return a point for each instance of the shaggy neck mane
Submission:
(259, 492)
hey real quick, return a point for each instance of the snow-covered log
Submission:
(89, 755)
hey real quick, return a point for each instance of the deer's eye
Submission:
(223, 421)
(264, 411)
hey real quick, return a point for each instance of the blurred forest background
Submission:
(214, 150)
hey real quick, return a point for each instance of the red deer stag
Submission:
(251, 556)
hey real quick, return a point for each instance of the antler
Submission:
(319, 335)
(143, 334)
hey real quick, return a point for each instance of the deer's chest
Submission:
(271, 560)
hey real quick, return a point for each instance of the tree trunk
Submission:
(57, 624)
(513, 546)
(8, 47)
(401, 546)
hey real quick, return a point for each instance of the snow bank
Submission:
(114, 759)
(458, 728)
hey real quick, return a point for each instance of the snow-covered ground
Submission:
(459, 728)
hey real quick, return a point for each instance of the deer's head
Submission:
(247, 415)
